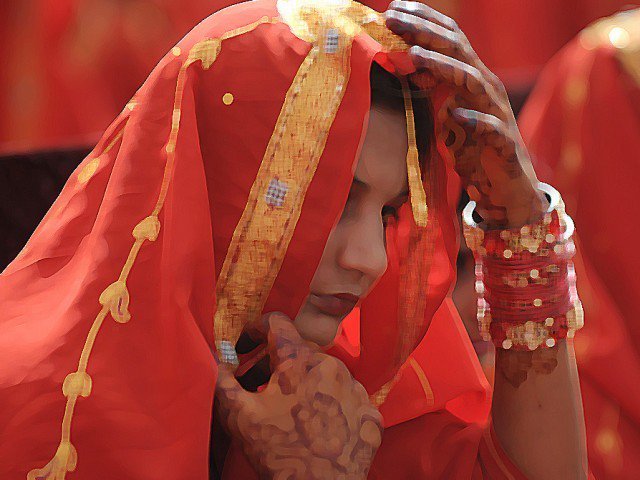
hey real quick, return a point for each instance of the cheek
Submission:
(328, 261)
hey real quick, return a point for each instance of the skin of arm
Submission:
(537, 412)
(537, 408)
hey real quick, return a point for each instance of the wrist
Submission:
(522, 209)
(525, 280)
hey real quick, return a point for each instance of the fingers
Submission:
(253, 334)
(428, 35)
(422, 26)
(284, 341)
(465, 77)
(425, 12)
(468, 81)
(488, 129)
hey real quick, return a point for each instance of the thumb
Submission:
(284, 341)
(228, 391)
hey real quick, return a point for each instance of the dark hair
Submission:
(386, 91)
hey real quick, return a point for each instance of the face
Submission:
(355, 256)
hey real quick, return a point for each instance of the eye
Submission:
(389, 212)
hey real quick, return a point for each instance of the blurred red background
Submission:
(69, 66)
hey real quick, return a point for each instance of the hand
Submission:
(480, 129)
(312, 421)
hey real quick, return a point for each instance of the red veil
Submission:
(107, 325)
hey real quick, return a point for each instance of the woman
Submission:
(253, 162)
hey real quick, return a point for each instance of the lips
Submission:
(338, 305)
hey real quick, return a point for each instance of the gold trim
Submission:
(115, 298)
(416, 188)
(379, 397)
(262, 236)
(305, 16)
(90, 167)
(424, 381)
(260, 240)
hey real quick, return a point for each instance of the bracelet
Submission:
(525, 280)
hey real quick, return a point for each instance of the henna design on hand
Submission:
(480, 131)
(312, 421)
(478, 125)
(514, 366)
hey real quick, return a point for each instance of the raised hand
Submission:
(479, 127)
(311, 421)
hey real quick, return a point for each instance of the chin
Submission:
(316, 326)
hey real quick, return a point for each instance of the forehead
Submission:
(382, 163)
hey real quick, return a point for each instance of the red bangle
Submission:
(527, 297)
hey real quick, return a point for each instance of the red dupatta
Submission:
(107, 328)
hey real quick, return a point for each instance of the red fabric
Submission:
(149, 410)
(516, 39)
(582, 125)
(72, 65)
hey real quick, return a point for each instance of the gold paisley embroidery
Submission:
(205, 51)
(88, 170)
(115, 298)
(131, 104)
(78, 384)
(92, 165)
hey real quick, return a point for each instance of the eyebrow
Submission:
(365, 185)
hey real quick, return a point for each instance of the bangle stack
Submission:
(525, 280)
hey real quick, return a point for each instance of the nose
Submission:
(363, 248)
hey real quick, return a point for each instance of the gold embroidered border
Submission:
(262, 236)
(115, 298)
(351, 18)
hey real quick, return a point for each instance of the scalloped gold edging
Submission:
(115, 298)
